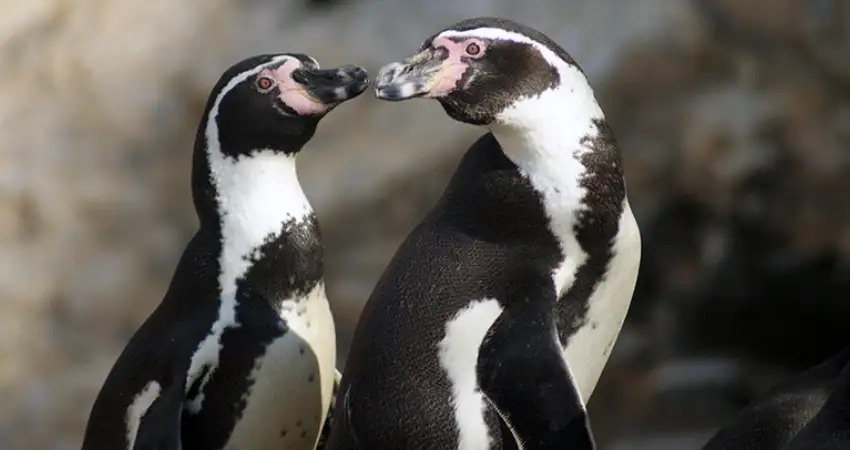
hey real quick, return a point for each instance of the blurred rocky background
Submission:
(734, 119)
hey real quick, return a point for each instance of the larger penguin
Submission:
(526, 266)
(240, 353)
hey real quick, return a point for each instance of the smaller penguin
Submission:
(807, 409)
(240, 353)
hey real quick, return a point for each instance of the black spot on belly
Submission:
(298, 424)
(282, 433)
(288, 264)
(311, 377)
(304, 434)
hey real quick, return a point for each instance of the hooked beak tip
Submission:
(389, 93)
(396, 82)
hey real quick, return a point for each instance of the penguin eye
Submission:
(473, 49)
(264, 83)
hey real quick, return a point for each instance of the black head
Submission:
(275, 102)
(477, 68)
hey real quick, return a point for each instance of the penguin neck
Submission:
(251, 200)
(548, 138)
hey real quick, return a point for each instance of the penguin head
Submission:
(480, 69)
(275, 102)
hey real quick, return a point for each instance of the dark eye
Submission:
(473, 49)
(265, 83)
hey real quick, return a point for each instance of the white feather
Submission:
(141, 403)
(458, 354)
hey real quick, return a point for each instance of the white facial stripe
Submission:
(230, 86)
(499, 34)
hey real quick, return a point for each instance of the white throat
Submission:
(258, 196)
(544, 136)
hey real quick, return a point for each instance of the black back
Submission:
(159, 351)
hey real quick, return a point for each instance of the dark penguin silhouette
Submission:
(809, 411)
(492, 323)
(240, 353)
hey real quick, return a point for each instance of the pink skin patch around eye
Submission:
(453, 67)
(292, 93)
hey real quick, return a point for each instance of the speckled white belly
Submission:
(289, 400)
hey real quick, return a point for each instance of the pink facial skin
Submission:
(455, 66)
(292, 93)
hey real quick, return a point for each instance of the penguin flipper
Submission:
(523, 374)
(160, 426)
(326, 428)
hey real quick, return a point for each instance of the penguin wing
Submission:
(523, 374)
(140, 403)
(159, 427)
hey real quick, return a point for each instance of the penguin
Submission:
(513, 289)
(803, 412)
(830, 428)
(240, 353)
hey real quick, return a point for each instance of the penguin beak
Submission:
(331, 86)
(417, 76)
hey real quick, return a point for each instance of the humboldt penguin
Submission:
(240, 353)
(494, 319)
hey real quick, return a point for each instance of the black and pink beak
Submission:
(422, 75)
(330, 86)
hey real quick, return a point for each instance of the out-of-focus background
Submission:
(733, 116)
